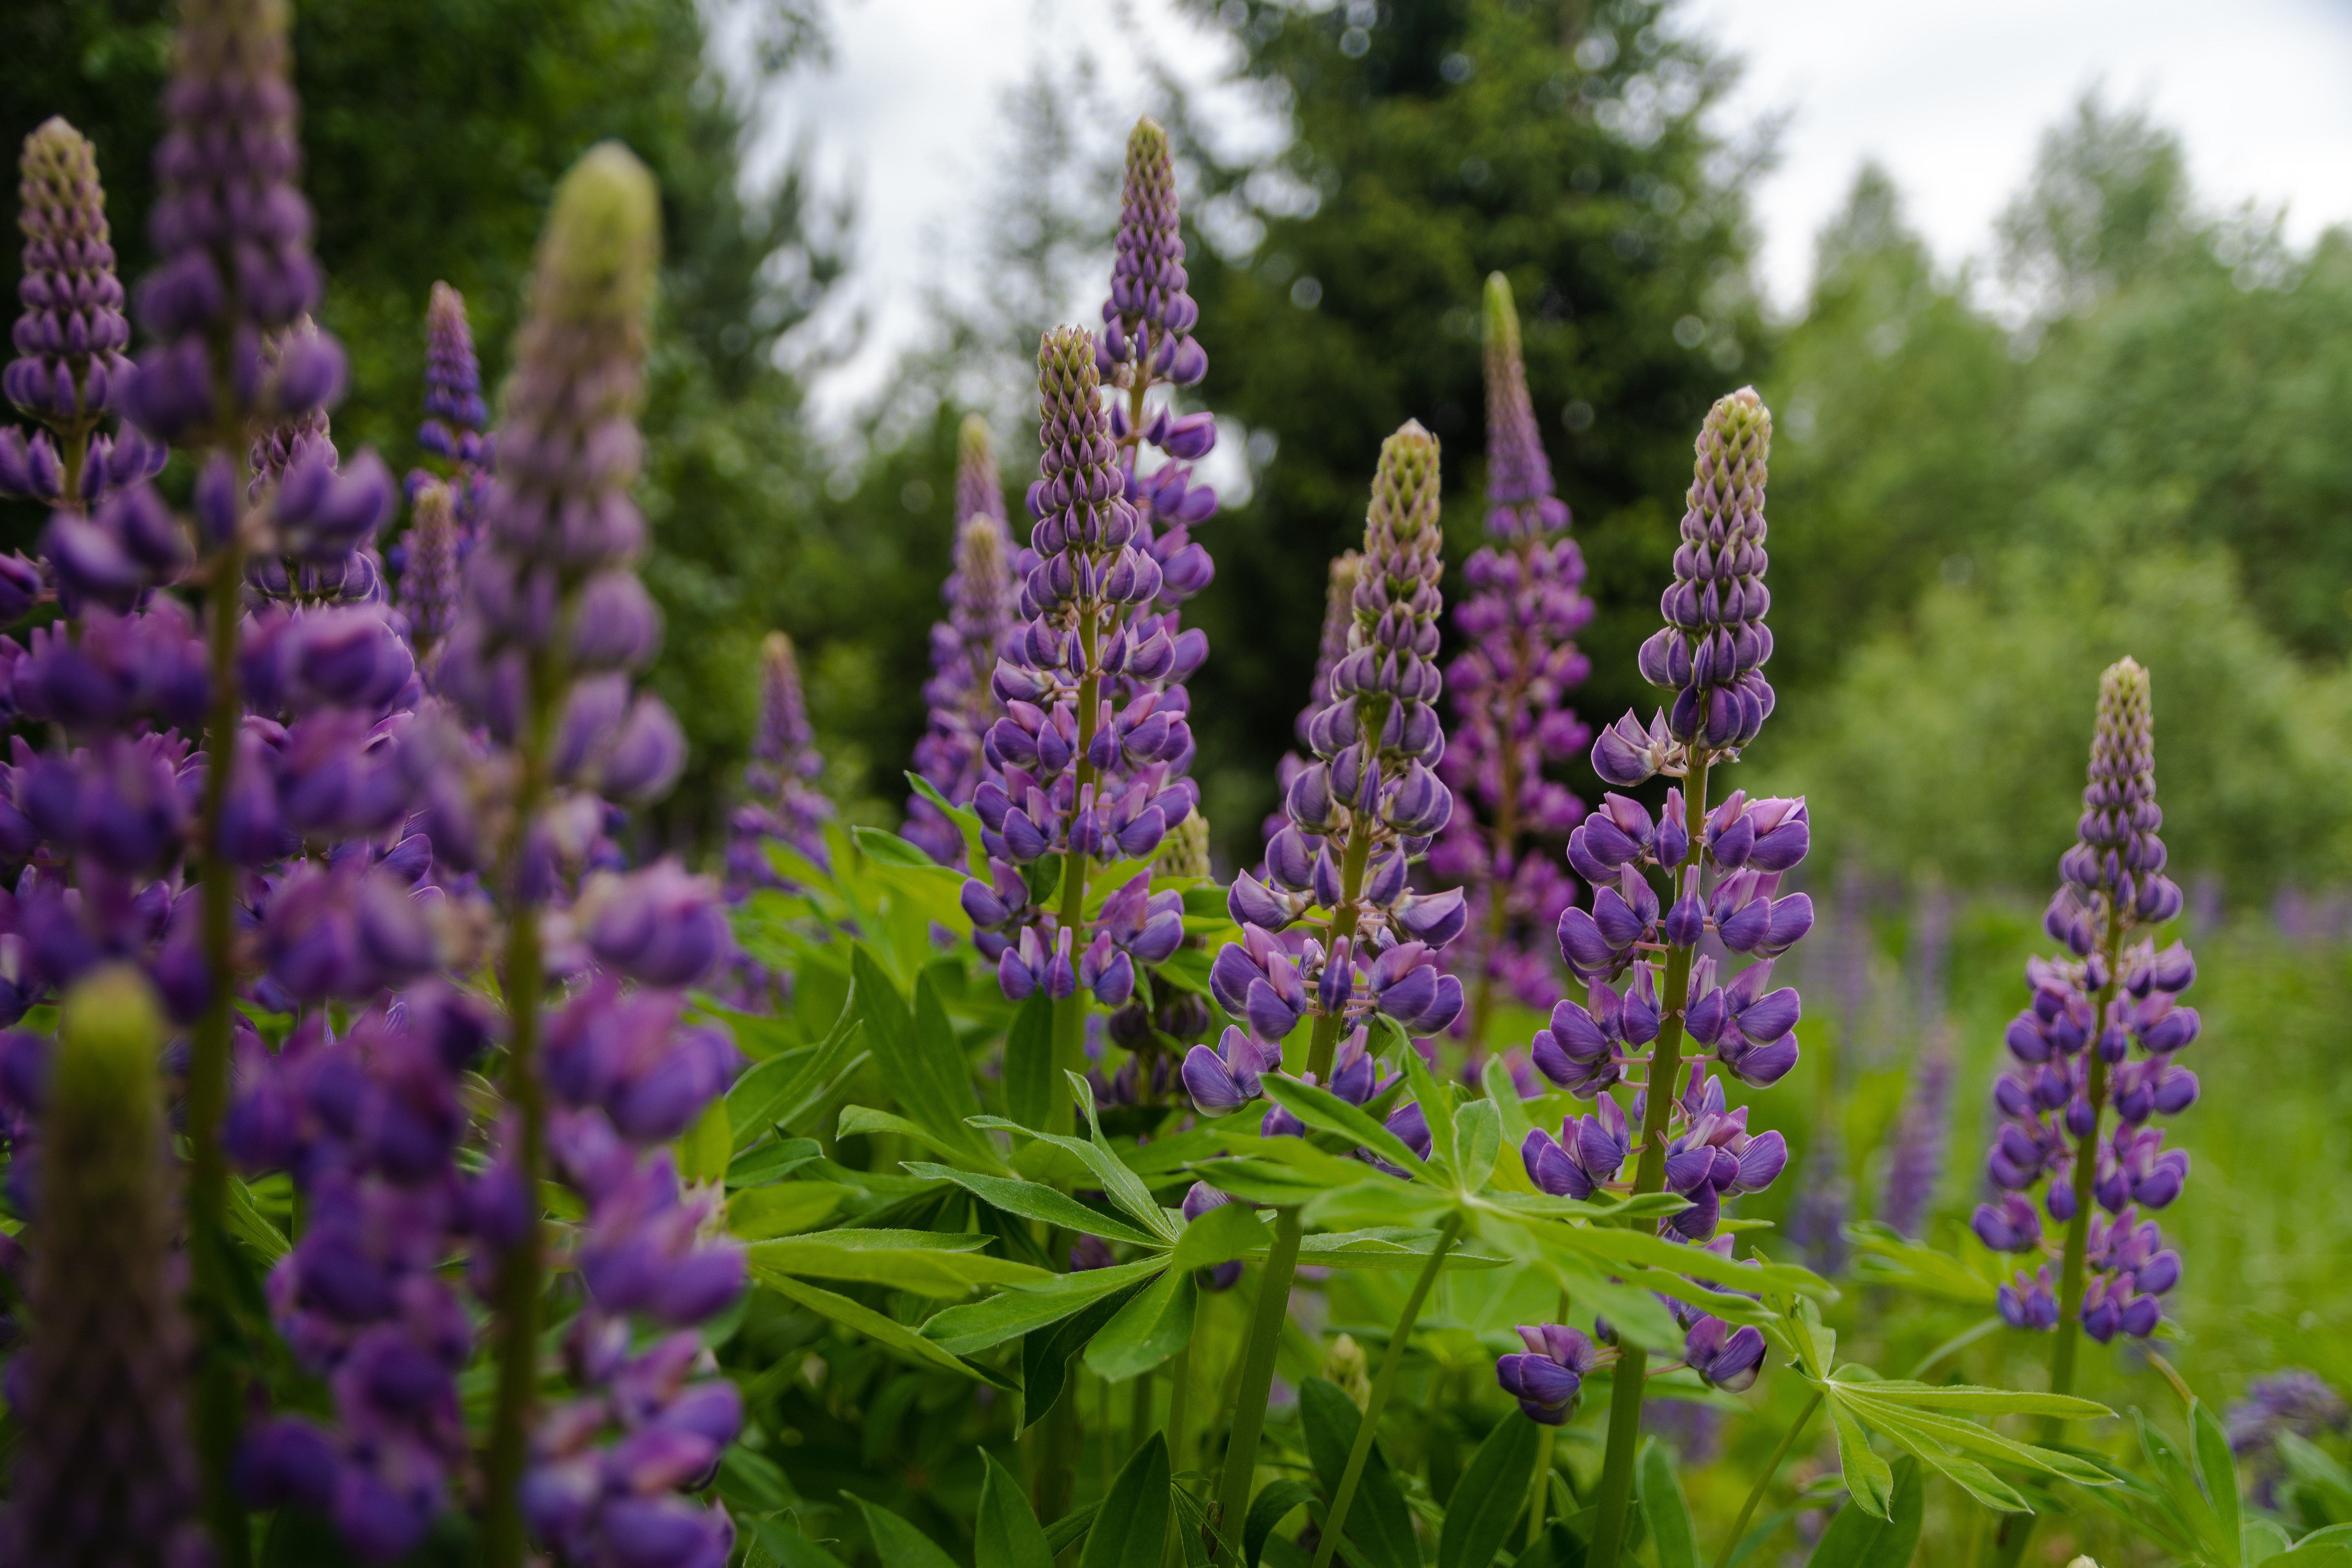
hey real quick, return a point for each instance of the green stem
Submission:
(1139, 1417)
(1649, 1176)
(1763, 1480)
(2017, 1529)
(217, 1409)
(1337, 1520)
(1256, 1381)
(1070, 1012)
(520, 1264)
(1180, 1400)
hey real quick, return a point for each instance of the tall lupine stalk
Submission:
(782, 801)
(104, 1474)
(1507, 688)
(232, 232)
(981, 600)
(1330, 647)
(2101, 1038)
(1088, 763)
(446, 506)
(554, 619)
(1359, 813)
(1710, 653)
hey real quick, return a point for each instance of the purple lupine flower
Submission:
(2289, 1400)
(2103, 1034)
(103, 1470)
(1330, 647)
(1148, 319)
(1548, 1378)
(1722, 875)
(782, 801)
(69, 340)
(1713, 649)
(371, 1125)
(233, 234)
(1370, 797)
(454, 411)
(1916, 1164)
(981, 601)
(432, 552)
(1508, 687)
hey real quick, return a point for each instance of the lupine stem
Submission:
(1070, 1012)
(518, 1282)
(2009, 1542)
(1337, 1520)
(1539, 1483)
(1763, 1480)
(217, 1410)
(1256, 1383)
(1649, 1176)
(1139, 1420)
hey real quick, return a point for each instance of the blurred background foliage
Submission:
(2127, 434)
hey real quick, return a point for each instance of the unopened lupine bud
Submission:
(103, 1471)
(1148, 320)
(70, 339)
(1547, 1379)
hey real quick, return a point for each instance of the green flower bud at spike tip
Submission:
(1401, 562)
(103, 1472)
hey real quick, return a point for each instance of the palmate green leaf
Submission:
(898, 1543)
(1504, 1095)
(1165, 1159)
(1882, 1256)
(860, 1119)
(888, 1333)
(1640, 1248)
(1868, 1479)
(1224, 1233)
(924, 1271)
(1487, 1499)
(2180, 1487)
(1267, 1509)
(1319, 1108)
(2217, 1469)
(965, 1330)
(1387, 1246)
(1951, 1431)
(784, 1089)
(1634, 1313)
(920, 1062)
(1663, 1506)
(1148, 1331)
(1379, 1524)
(1005, 1533)
(1265, 1182)
(1436, 1109)
(1132, 1524)
(2317, 1471)
(1034, 1200)
(1856, 1539)
(1376, 1198)
(1046, 1354)
(1924, 1444)
(1029, 1062)
(1544, 1205)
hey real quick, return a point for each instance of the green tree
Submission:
(1434, 142)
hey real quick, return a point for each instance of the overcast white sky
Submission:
(1952, 98)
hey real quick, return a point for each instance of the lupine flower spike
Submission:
(782, 801)
(981, 601)
(1359, 813)
(1653, 1000)
(2103, 1036)
(103, 1468)
(1508, 687)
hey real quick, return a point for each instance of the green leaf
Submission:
(888, 1333)
(923, 1271)
(898, 1543)
(1070, 1527)
(1985, 1401)
(921, 1063)
(1319, 1108)
(862, 1119)
(782, 1208)
(1867, 1478)
(249, 1224)
(1920, 1437)
(967, 822)
(1224, 1233)
(2180, 1485)
(751, 1481)
(1953, 1431)
(784, 1087)
(772, 1161)
(1266, 1510)
(1378, 1521)
(1263, 1183)
(2325, 1555)
(789, 1547)
(1857, 1539)
(1046, 1353)
(1478, 1134)
(1437, 1108)
(1148, 1331)
(960, 1331)
(1005, 1533)
(1132, 1527)
(1121, 1185)
(1663, 1506)
(889, 850)
(1505, 1096)
(705, 1149)
(1029, 1063)
(1387, 1246)
(1640, 1246)
(2316, 1471)
(1885, 1258)
(2217, 1468)
(1034, 1200)
(1487, 1499)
